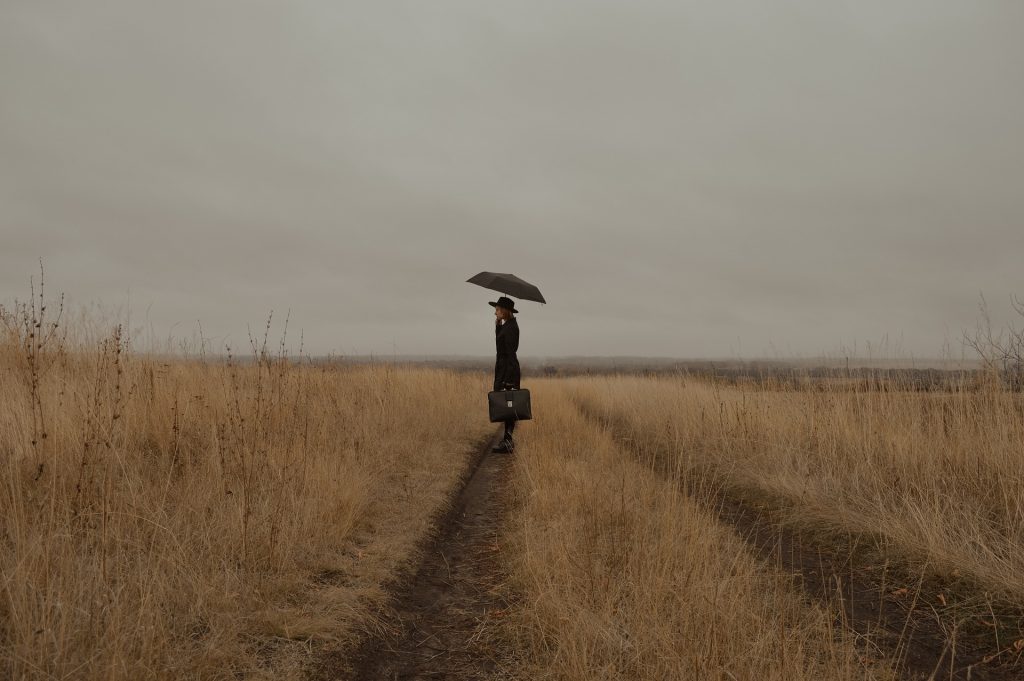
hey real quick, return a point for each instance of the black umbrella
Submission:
(509, 284)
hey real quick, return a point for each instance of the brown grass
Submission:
(192, 519)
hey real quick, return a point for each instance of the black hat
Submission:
(506, 303)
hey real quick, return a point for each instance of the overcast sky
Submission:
(686, 179)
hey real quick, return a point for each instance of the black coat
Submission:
(506, 364)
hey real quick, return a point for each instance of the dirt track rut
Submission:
(441, 625)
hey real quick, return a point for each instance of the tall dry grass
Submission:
(936, 475)
(168, 519)
(622, 576)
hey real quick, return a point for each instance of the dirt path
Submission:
(440, 623)
(922, 624)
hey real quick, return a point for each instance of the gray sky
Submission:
(680, 178)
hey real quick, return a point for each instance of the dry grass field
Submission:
(916, 497)
(936, 475)
(168, 518)
(190, 519)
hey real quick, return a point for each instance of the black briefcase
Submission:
(509, 404)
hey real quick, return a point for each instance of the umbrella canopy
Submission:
(509, 284)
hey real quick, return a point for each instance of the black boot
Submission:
(506, 446)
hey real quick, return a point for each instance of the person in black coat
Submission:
(506, 364)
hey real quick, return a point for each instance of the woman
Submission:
(506, 364)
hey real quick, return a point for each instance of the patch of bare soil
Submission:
(443, 622)
(933, 626)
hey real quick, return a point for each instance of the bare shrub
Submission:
(1001, 350)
